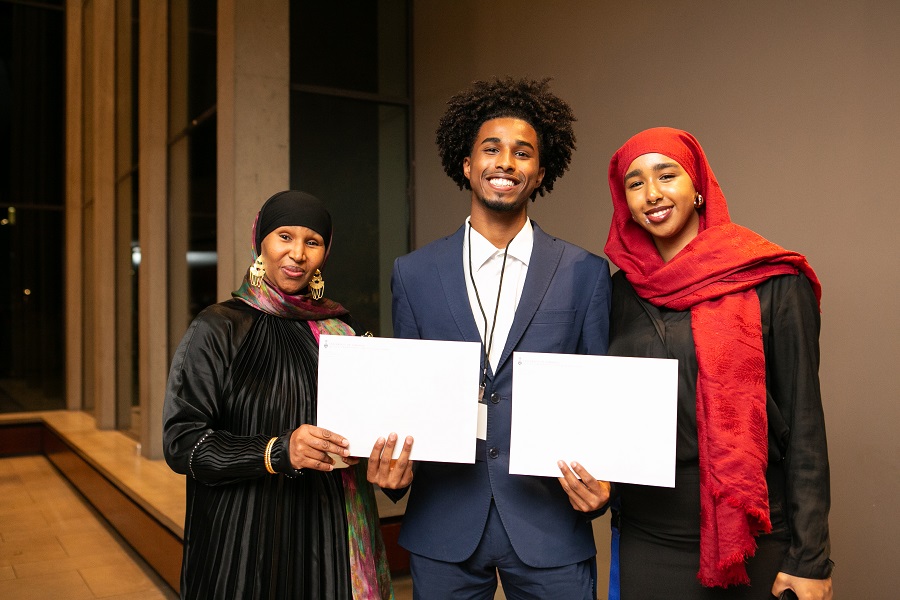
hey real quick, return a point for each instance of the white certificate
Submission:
(614, 415)
(370, 387)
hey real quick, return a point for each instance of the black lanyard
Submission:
(490, 339)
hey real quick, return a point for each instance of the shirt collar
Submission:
(483, 250)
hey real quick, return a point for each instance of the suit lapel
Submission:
(450, 268)
(545, 256)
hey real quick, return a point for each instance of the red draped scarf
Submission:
(714, 276)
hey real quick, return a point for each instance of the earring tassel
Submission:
(317, 286)
(257, 272)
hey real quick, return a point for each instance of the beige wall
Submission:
(796, 106)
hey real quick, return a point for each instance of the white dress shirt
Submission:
(487, 262)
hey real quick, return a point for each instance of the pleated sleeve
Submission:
(195, 443)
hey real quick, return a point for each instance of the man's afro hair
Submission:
(529, 100)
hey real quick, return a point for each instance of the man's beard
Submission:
(499, 205)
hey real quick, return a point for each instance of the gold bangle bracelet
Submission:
(267, 457)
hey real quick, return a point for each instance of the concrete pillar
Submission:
(74, 205)
(152, 186)
(253, 112)
(102, 295)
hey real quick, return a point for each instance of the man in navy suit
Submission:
(502, 281)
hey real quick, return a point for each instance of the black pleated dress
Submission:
(239, 378)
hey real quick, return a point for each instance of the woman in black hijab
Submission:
(268, 513)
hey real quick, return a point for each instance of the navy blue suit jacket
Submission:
(564, 308)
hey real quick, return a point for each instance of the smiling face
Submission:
(660, 196)
(291, 254)
(504, 167)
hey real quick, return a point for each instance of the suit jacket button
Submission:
(493, 452)
(495, 398)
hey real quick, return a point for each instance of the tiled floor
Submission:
(54, 545)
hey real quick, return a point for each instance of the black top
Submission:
(798, 473)
(239, 378)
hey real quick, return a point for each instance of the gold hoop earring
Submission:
(698, 201)
(257, 272)
(317, 285)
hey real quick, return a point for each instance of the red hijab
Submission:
(714, 276)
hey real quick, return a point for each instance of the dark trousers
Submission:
(476, 578)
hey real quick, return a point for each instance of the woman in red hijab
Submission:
(748, 516)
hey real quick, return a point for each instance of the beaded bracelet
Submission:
(194, 449)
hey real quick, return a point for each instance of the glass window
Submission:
(201, 131)
(127, 220)
(350, 132)
(192, 237)
(32, 234)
